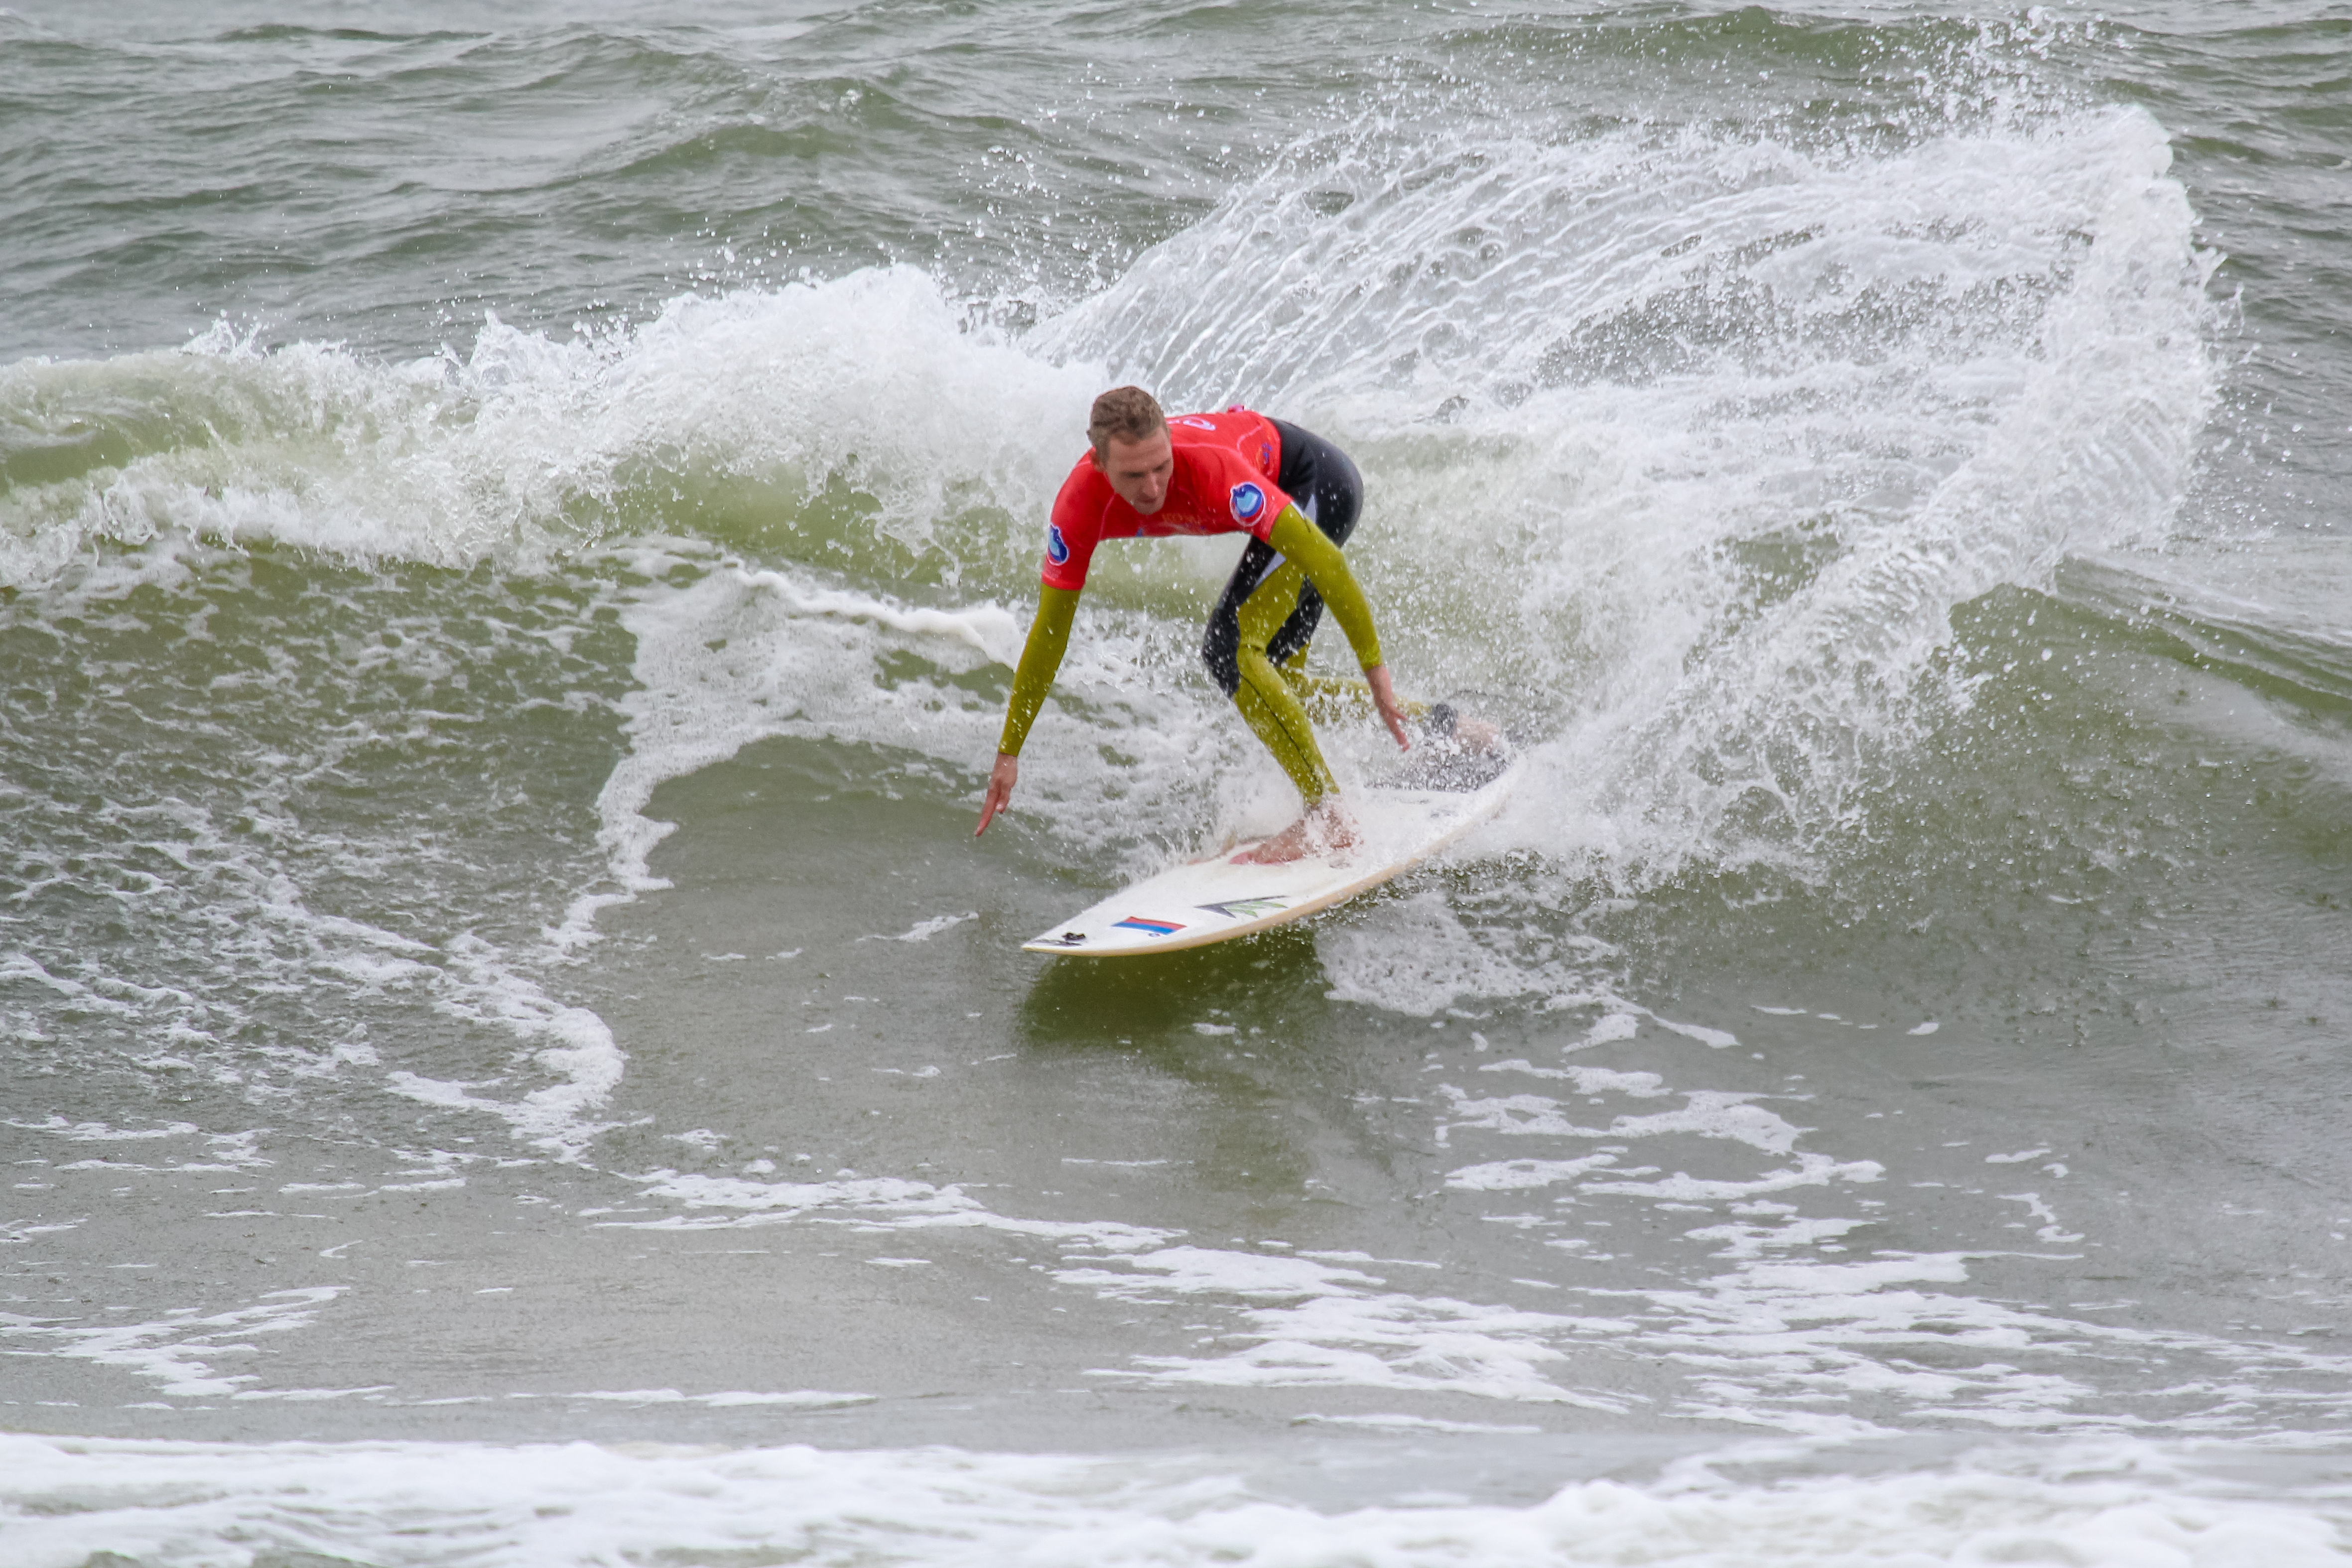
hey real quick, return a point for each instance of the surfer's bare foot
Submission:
(1318, 832)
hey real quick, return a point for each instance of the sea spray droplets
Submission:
(1693, 440)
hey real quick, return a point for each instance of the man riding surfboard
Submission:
(1296, 496)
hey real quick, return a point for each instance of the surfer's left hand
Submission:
(1384, 696)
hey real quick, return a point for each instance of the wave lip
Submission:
(853, 422)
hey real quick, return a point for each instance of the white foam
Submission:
(178, 1352)
(1590, 1080)
(255, 924)
(97, 1131)
(581, 1055)
(224, 1151)
(1620, 1025)
(923, 930)
(1401, 1423)
(1810, 1325)
(874, 1203)
(1198, 1269)
(796, 1399)
(1413, 956)
(1708, 1113)
(2111, 1506)
(1511, 1175)
(1811, 1170)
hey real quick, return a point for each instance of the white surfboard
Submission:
(1225, 895)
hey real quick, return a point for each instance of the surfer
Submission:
(1296, 496)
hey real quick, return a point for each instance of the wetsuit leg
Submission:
(1329, 698)
(1268, 613)
(1268, 703)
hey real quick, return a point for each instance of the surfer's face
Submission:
(1140, 470)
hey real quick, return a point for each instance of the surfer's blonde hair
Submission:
(1129, 413)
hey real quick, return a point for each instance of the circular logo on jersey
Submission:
(1248, 502)
(1057, 548)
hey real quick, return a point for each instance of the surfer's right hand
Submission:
(1384, 697)
(1001, 779)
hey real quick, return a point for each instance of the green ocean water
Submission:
(512, 533)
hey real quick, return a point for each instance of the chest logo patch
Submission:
(1248, 502)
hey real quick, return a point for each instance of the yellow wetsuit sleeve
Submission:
(1326, 568)
(1041, 657)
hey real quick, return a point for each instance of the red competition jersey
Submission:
(1223, 483)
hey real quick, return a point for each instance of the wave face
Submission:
(513, 546)
(1702, 439)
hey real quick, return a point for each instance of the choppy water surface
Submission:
(511, 535)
